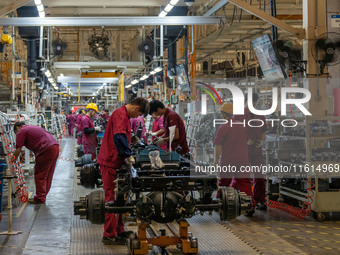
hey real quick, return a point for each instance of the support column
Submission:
(314, 22)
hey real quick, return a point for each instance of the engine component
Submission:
(90, 176)
(95, 201)
(85, 159)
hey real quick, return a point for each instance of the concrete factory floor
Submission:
(53, 229)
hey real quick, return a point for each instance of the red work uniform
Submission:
(89, 141)
(46, 151)
(109, 161)
(105, 116)
(156, 126)
(135, 123)
(171, 118)
(79, 129)
(233, 140)
(255, 154)
(71, 119)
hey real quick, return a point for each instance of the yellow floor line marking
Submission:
(23, 206)
(323, 233)
(281, 229)
(311, 232)
(314, 246)
(293, 230)
(327, 248)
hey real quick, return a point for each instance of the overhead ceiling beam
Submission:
(300, 33)
(92, 81)
(99, 11)
(13, 6)
(88, 65)
(111, 21)
(216, 7)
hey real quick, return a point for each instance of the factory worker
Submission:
(157, 129)
(135, 123)
(232, 149)
(256, 137)
(71, 120)
(46, 151)
(114, 150)
(105, 114)
(89, 138)
(81, 113)
(170, 118)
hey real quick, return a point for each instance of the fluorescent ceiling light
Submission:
(144, 77)
(158, 69)
(174, 2)
(152, 72)
(42, 14)
(62, 75)
(48, 73)
(162, 14)
(37, 2)
(40, 8)
(128, 86)
(134, 82)
(168, 8)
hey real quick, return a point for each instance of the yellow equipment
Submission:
(6, 39)
(92, 106)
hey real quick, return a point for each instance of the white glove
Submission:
(130, 160)
(98, 129)
(259, 143)
(250, 142)
(160, 141)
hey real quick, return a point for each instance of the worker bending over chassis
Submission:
(232, 149)
(46, 151)
(170, 118)
(115, 148)
(89, 139)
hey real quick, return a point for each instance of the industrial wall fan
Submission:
(326, 50)
(289, 54)
(58, 47)
(147, 47)
(99, 44)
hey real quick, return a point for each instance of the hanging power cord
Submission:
(21, 189)
(300, 213)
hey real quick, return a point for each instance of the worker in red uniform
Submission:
(136, 123)
(89, 138)
(46, 151)
(114, 150)
(105, 114)
(256, 137)
(80, 115)
(170, 118)
(232, 149)
(71, 120)
(157, 129)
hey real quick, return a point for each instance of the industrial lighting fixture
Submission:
(48, 73)
(153, 72)
(144, 77)
(174, 2)
(40, 8)
(128, 86)
(134, 82)
(37, 2)
(62, 75)
(168, 8)
(158, 69)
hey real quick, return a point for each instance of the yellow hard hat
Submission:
(227, 108)
(92, 106)
(6, 39)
